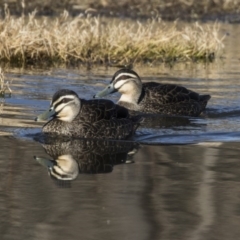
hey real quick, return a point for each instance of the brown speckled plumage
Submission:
(168, 99)
(154, 97)
(95, 119)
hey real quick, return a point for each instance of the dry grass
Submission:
(94, 40)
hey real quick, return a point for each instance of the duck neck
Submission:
(132, 96)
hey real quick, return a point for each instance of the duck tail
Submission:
(204, 100)
(137, 120)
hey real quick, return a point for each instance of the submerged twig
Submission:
(5, 90)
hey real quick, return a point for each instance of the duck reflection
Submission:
(156, 121)
(73, 157)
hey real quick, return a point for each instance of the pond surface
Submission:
(181, 181)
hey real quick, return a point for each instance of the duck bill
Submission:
(46, 115)
(106, 91)
(44, 162)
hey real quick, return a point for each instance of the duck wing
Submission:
(110, 129)
(171, 93)
(102, 118)
(98, 109)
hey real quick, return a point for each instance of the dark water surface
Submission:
(169, 192)
(180, 182)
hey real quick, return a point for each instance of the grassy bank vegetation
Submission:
(94, 40)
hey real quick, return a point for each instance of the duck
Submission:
(153, 97)
(72, 116)
(67, 159)
(65, 167)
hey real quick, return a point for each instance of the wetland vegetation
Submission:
(92, 38)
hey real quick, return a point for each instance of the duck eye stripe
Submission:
(123, 76)
(59, 99)
(120, 83)
(64, 100)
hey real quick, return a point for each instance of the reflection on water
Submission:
(170, 192)
(69, 158)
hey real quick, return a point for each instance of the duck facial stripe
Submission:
(63, 99)
(58, 173)
(59, 107)
(120, 83)
(124, 76)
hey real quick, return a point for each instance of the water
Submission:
(180, 182)
(169, 192)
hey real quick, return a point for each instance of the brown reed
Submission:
(87, 39)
